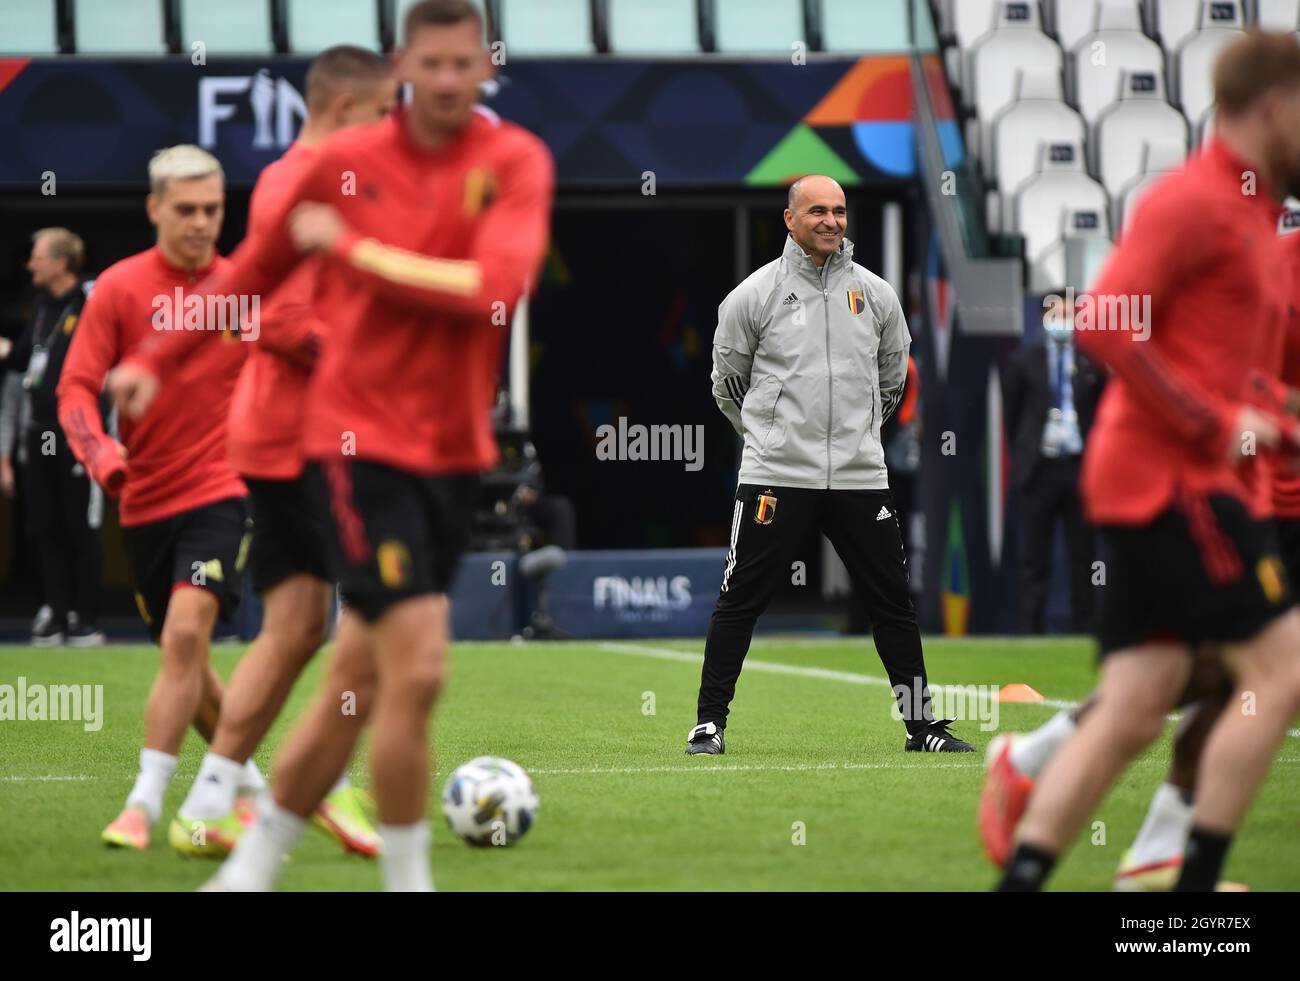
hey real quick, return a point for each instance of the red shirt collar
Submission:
(179, 273)
(1227, 162)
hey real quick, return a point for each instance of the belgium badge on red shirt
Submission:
(857, 301)
(765, 509)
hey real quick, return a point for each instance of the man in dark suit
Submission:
(1050, 394)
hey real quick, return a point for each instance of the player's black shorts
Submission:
(204, 547)
(291, 530)
(1204, 571)
(396, 534)
(1288, 537)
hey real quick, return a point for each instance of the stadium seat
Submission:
(1007, 16)
(547, 27)
(1289, 221)
(1157, 160)
(972, 19)
(663, 27)
(1049, 273)
(399, 22)
(1076, 19)
(850, 25)
(1060, 184)
(1038, 116)
(121, 27)
(1174, 21)
(1140, 115)
(1018, 41)
(1195, 64)
(1205, 128)
(315, 25)
(233, 27)
(1126, 50)
(758, 26)
(1279, 15)
(31, 27)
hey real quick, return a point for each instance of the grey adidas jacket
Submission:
(807, 363)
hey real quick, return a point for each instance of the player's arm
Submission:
(94, 349)
(891, 355)
(734, 344)
(1167, 245)
(507, 249)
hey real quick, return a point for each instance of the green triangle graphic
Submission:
(802, 151)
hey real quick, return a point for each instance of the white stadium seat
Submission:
(315, 25)
(546, 27)
(1019, 132)
(1030, 84)
(1279, 15)
(1175, 20)
(756, 26)
(1200, 51)
(31, 27)
(1205, 128)
(1012, 44)
(1048, 273)
(1018, 16)
(126, 27)
(1061, 183)
(233, 27)
(1076, 19)
(1141, 115)
(664, 27)
(1097, 80)
(1158, 159)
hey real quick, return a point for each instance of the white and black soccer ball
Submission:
(490, 801)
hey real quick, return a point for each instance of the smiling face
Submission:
(817, 217)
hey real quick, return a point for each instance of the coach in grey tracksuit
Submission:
(809, 358)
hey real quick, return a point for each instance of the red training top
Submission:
(1286, 484)
(417, 294)
(1203, 253)
(176, 455)
(266, 415)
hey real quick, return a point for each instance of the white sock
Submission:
(1164, 833)
(255, 863)
(156, 769)
(212, 794)
(404, 857)
(251, 779)
(1031, 753)
(342, 783)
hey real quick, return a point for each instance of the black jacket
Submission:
(1027, 397)
(53, 321)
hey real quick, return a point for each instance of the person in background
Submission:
(1050, 393)
(65, 507)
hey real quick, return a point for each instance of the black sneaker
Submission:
(705, 738)
(935, 738)
(47, 629)
(83, 634)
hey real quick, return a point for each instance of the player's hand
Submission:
(1253, 433)
(315, 227)
(6, 477)
(132, 389)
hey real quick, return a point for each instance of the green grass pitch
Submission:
(812, 755)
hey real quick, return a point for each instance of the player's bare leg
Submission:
(1138, 687)
(411, 641)
(294, 626)
(309, 763)
(210, 704)
(173, 704)
(1241, 747)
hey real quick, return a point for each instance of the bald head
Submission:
(817, 216)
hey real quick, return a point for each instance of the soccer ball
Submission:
(490, 801)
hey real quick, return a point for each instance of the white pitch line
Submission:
(52, 778)
(746, 768)
(826, 674)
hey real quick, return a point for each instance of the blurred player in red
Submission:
(288, 558)
(431, 225)
(1191, 557)
(182, 507)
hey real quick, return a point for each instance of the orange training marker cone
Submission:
(1018, 693)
